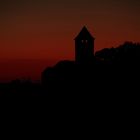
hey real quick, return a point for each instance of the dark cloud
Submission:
(21, 5)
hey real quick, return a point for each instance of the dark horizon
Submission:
(109, 69)
(23, 69)
(31, 69)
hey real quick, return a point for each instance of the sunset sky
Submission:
(44, 30)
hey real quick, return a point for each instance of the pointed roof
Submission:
(84, 34)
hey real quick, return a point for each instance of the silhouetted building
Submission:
(84, 47)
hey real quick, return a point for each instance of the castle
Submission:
(84, 47)
(84, 56)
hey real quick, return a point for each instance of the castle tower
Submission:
(84, 47)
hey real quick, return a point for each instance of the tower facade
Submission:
(84, 47)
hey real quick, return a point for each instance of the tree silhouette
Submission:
(114, 71)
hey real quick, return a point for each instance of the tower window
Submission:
(84, 41)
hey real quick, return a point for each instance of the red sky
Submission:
(42, 32)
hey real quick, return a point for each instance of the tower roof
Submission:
(84, 34)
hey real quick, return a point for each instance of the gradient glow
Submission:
(44, 30)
